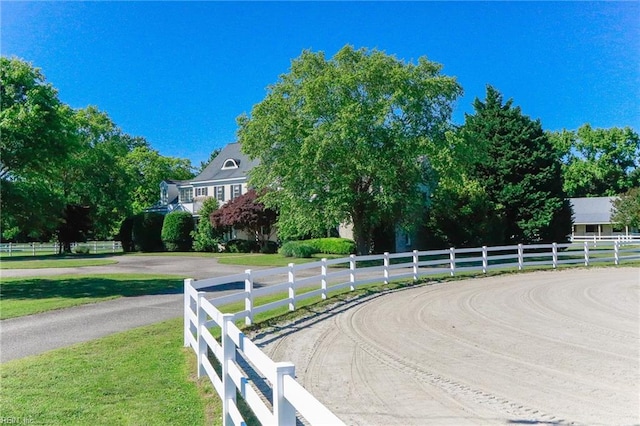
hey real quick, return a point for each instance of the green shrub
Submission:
(298, 249)
(81, 250)
(126, 234)
(242, 246)
(147, 232)
(206, 237)
(270, 247)
(177, 229)
(333, 245)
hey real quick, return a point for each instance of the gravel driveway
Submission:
(556, 347)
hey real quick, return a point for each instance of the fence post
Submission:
(385, 263)
(202, 344)
(415, 265)
(352, 272)
(323, 282)
(33, 246)
(586, 253)
(228, 355)
(95, 247)
(292, 288)
(554, 254)
(485, 259)
(452, 260)
(283, 411)
(10, 247)
(520, 257)
(616, 252)
(248, 297)
(188, 283)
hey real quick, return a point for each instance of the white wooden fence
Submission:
(269, 387)
(34, 249)
(624, 238)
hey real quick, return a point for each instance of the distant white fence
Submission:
(34, 249)
(626, 238)
(269, 387)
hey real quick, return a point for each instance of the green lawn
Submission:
(274, 260)
(139, 377)
(25, 296)
(22, 263)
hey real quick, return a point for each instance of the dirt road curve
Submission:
(557, 347)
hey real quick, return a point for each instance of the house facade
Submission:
(225, 178)
(592, 219)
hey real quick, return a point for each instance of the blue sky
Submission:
(179, 73)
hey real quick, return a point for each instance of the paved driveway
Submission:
(35, 334)
(186, 266)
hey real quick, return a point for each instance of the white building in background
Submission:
(592, 218)
(225, 178)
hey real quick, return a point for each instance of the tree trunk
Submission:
(361, 233)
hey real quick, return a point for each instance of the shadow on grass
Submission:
(77, 287)
(65, 256)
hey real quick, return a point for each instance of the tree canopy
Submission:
(69, 173)
(521, 174)
(246, 213)
(626, 209)
(34, 124)
(351, 139)
(598, 162)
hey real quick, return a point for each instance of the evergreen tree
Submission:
(521, 173)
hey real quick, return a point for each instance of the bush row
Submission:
(308, 248)
(153, 232)
(149, 232)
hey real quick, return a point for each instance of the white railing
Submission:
(623, 238)
(268, 387)
(34, 249)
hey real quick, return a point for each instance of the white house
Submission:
(225, 178)
(592, 218)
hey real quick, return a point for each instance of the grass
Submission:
(25, 296)
(274, 260)
(11, 263)
(144, 376)
(139, 377)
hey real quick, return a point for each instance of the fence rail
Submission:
(242, 365)
(35, 249)
(608, 238)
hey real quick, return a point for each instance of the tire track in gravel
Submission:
(457, 389)
(544, 348)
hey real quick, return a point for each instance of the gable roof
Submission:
(214, 170)
(591, 211)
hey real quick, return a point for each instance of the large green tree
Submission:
(351, 139)
(70, 173)
(92, 178)
(626, 209)
(521, 172)
(462, 215)
(598, 162)
(36, 134)
(34, 124)
(146, 168)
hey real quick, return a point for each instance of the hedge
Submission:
(308, 248)
(177, 230)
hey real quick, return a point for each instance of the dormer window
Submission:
(230, 164)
